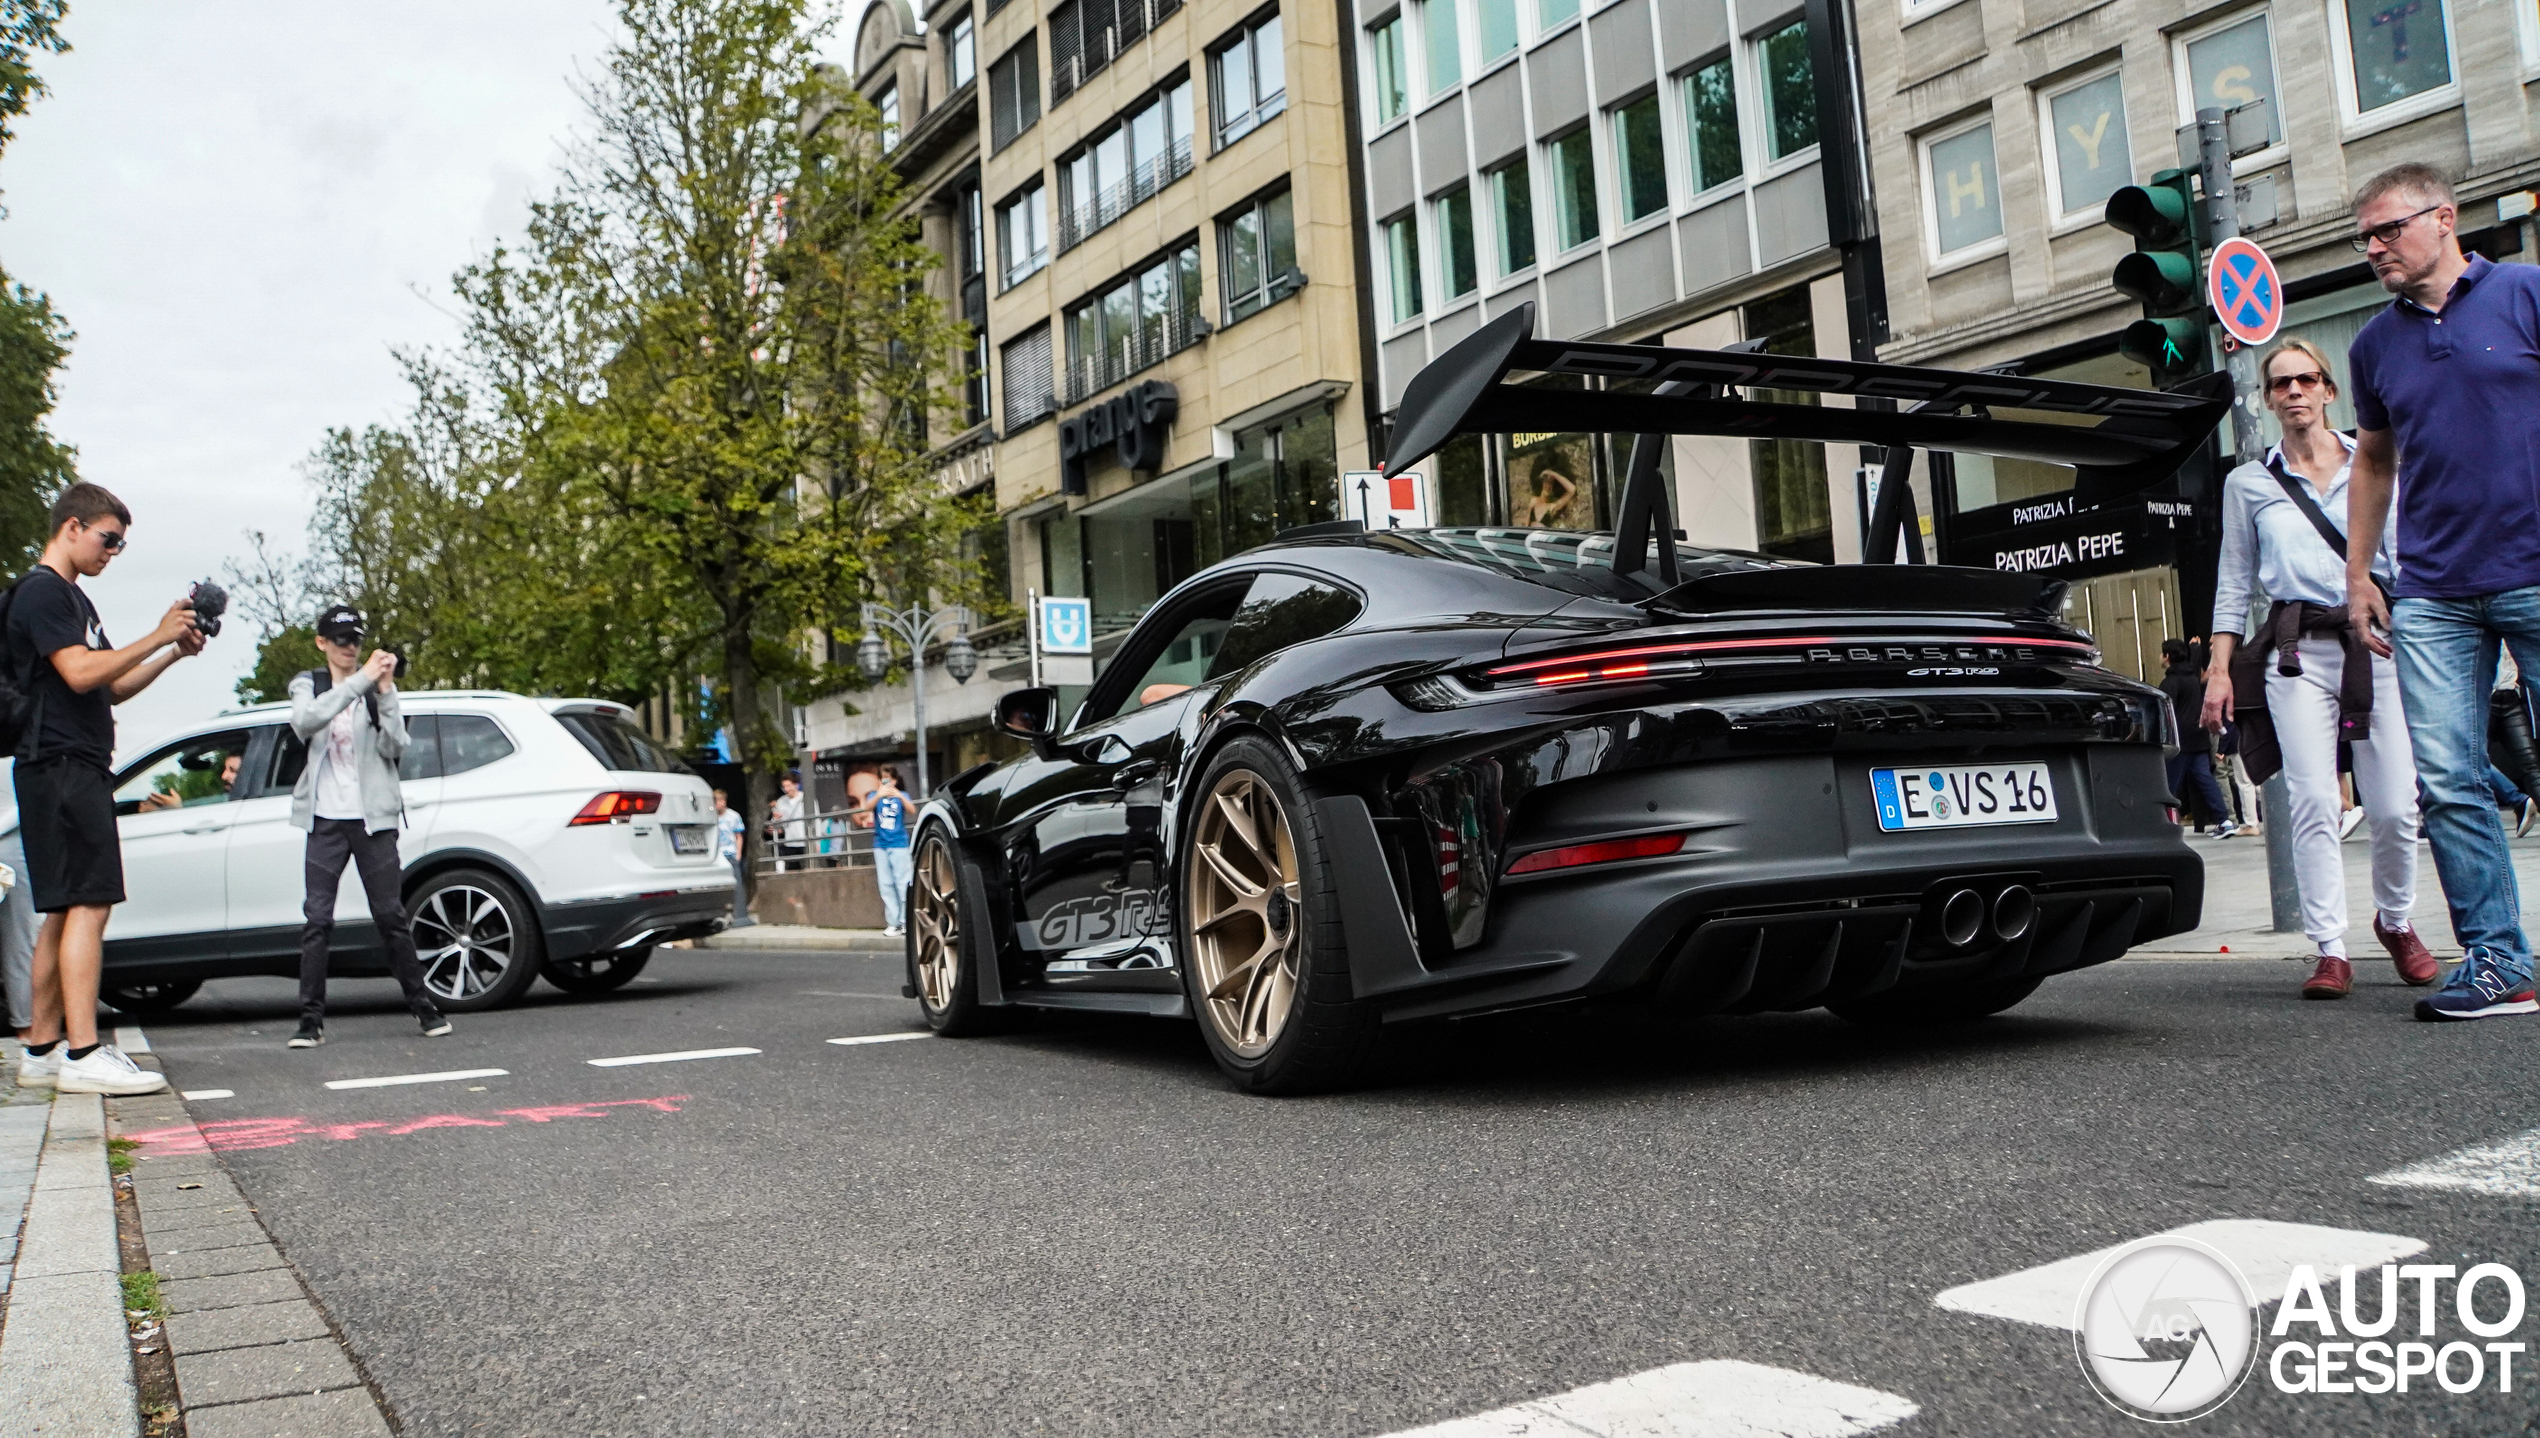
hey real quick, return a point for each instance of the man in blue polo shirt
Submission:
(2447, 395)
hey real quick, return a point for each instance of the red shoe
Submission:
(2333, 979)
(2416, 963)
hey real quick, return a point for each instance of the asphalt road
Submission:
(1082, 1230)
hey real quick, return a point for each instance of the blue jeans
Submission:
(2447, 666)
(740, 898)
(2504, 788)
(2196, 772)
(891, 871)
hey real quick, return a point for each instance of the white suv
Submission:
(543, 836)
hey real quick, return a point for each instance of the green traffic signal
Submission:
(2164, 346)
(2163, 274)
(2163, 280)
(2160, 214)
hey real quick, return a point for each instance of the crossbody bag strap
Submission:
(2299, 492)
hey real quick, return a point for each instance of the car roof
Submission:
(434, 696)
(1410, 572)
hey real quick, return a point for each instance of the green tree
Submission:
(27, 28)
(34, 340)
(280, 655)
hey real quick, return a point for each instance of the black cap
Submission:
(340, 622)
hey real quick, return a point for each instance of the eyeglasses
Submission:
(2388, 234)
(112, 539)
(2307, 379)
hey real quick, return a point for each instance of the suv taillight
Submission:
(610, 807)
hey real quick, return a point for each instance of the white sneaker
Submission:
(2353, 820)
(39, 1072)
(107, 1071)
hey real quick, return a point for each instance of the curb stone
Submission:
(256, 1355)
(65, 1351)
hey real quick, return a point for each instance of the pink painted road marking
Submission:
(232, 1135)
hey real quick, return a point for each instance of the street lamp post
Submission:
(917, 626)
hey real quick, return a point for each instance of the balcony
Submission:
(1078, 222)
(1151, 344)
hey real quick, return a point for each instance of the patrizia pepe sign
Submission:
(2053, 534)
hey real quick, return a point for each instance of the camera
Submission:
(401, 661)
(209, 602)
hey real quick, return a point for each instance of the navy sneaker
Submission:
(2479, 988)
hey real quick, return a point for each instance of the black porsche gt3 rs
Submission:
(1350, 779)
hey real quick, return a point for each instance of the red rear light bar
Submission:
(618, 804)
(1603, 851)
(1635, 662)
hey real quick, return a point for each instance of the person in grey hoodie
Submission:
(348, 799)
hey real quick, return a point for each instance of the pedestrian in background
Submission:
(728, 829)
(65, 784)
(18, 924)
(2282, 531)
(2447, 382)
(2192, 767)
(786, 813)
(349, 801)
(891, 812)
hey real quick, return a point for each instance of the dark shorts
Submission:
(66, 816)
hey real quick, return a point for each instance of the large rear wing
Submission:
(2120, 440)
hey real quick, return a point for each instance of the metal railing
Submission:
(1145, 179)
(822, 838)
(1149, 344)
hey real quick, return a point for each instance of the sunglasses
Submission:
(112, 539)
(2388, 234)
(2307, 379)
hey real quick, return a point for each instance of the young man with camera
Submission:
(58, 651)
(348, 799)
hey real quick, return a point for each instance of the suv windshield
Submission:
(1567, 560)
(619, 745)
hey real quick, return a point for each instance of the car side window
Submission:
(1178, 660)
(423, 748)
(471, 741)
(1279, 612)
(201, 770)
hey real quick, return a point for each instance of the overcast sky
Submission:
(243, 208)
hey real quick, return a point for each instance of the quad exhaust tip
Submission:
(2014, 909)
(1961, 917)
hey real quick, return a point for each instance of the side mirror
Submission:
(1031, 715)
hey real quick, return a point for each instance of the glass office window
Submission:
(1549, 13)
(1513, 206)
(1257, 255)
(1963, 194)
(2092, 160)
(1790, 91)
(1495, 27)
(961, 51)
(2233, 66)
(1402, 262)
(888, 102)
(1442, 47)
(1640, 158)
(1719, 156)
(2400, 50)
(1393, 81)
(1458, 272)
(1574, 187)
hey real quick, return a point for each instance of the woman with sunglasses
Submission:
(2272, 540)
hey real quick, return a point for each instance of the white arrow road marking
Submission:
(678, 1058)
(2509, 1168)
(195, 1093)
(1721, 1398)
(881, 1038)
(2265, 1251)
(392, 1080)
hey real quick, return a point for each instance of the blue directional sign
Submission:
(1067, 626)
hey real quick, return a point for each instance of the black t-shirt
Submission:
(50, 614)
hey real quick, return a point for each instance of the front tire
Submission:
(1960, 1005)
(945, 944)
(597, 973)
(150, 998)
(1264, 964)
(477, 938)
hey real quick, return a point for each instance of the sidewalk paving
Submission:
(2238, 914)
(65, 1352)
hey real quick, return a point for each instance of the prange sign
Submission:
(1134, 422)
(2051, 535)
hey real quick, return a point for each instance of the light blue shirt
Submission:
(2268, 542)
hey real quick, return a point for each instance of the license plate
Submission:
(690, 838)
(1960, 796)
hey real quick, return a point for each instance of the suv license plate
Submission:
(1960, 796)
(690, 838)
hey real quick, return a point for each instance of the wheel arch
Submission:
(443, 861)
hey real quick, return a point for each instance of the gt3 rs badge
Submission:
(1096, 919)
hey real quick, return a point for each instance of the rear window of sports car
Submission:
(1572, 562)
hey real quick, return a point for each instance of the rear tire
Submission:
(945, 942)
(1264, 965)
(596, 973)
(150, 998)
(1960, 1005)
(478, 939)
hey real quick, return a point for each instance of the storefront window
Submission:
(1551, 481)
(1793, 516)
(1463, 482)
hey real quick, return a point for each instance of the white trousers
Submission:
(2304, 708)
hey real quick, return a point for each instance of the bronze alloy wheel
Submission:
(1246, 921)
(934, 922)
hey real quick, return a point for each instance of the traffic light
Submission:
(2162, 274)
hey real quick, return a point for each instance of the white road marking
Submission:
(2265, 1251)
(132, 1040)
(194, 1093)
(681, 1057)
(2509, 1168)
(1721, 1398)
(881, 1038)
(850, 994)
(392, 1080)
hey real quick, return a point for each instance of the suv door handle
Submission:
(209, 826)
(1130, 776)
